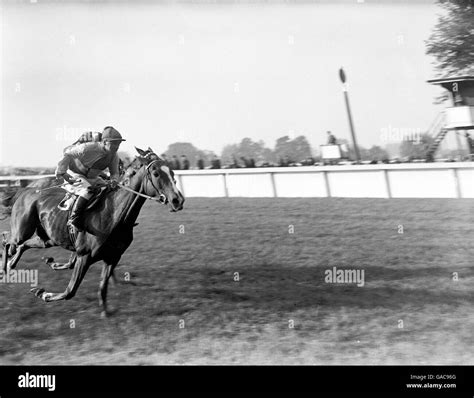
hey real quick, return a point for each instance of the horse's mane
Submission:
(131, 169)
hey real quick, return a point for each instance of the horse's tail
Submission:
(7, 199)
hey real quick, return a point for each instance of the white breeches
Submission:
(80, 187)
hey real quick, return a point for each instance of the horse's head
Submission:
(157, 179)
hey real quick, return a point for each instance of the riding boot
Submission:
(76, 218)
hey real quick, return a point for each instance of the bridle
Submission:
(161, 198)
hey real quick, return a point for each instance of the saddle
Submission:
(69, 199)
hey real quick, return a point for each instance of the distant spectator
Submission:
(184, 162)
(309, 161)
(234, 164)
(285, 161)
(247, 162)
(200, 164)
(331, 138)
(175, 163)
(165, 158)
(458, 99)
(252, 163)
(121, 167)
(215, 163)
(470, 143)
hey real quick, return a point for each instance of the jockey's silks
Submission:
(89, 159)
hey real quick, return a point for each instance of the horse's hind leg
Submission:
(82, 265)
(60, 266)
(33, 243)
(6, 248)
(23, 228)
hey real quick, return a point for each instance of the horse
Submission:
(37, 222)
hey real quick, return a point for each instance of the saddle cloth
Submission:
(70, 198)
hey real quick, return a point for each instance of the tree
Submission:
(416, 149)
(248, 149)
(296, 150)
(283, 147)
(126, 157)
(229, 152)
(351, 154)
(377, 153)
(190, 151)
(452, 40)
(301, 148)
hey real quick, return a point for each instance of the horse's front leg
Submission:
(107, 274)
(82, 265)
(60, 266)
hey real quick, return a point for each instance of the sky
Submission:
(210, 74)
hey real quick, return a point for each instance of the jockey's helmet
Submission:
(110, 134)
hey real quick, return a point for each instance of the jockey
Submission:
(82, 165)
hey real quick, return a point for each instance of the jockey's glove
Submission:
(61, 177)
(113, 184)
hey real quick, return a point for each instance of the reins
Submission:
(147, 168)
(159, 199)
(139, 193)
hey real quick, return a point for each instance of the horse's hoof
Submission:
(47, 297)
(37, 291)
(104, 314)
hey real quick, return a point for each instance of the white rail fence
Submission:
(431, 180)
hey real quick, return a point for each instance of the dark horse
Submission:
(109, 225)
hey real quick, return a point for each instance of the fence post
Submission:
(226, 190)
(181, 184)
(387, 184)
(328, 187)
(272, 177)
(457, 186)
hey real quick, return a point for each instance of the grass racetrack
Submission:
(187, 279)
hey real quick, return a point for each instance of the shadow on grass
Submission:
(283, 289)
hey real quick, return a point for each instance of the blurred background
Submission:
(257, 80)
